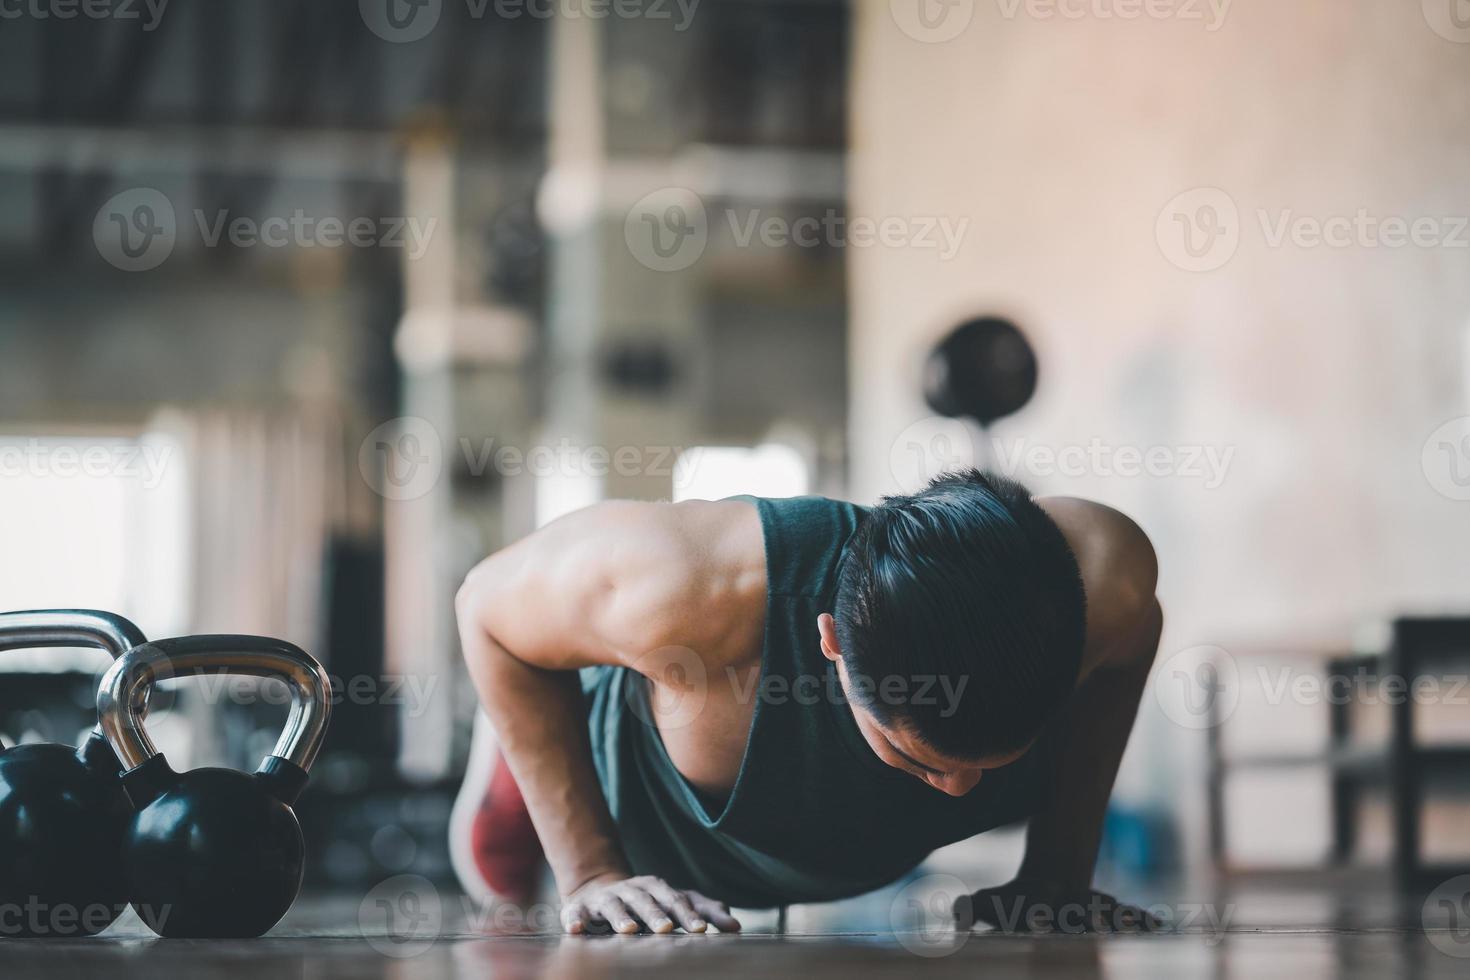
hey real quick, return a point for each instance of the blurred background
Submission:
(305, 308)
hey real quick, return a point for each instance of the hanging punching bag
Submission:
(984, 370)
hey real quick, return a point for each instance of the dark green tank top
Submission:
(814, 814)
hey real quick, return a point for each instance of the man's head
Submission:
(966, 602)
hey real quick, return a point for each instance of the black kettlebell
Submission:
(62, 809)
(213, 853)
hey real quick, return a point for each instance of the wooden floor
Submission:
(1297, 955)
(1272, 934)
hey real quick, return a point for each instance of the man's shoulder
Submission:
(1119, 570)
(1108, 539)
(678, 574)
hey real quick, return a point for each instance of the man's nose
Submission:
(955, 783)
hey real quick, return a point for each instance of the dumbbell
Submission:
(213, 853)
(62, 809)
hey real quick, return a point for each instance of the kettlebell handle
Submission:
(33, 628)
(136, 672)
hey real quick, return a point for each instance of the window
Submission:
(99, 522)
(713, 472)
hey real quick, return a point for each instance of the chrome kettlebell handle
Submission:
(131, 676)
(31, 629)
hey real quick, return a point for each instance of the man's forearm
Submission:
(1062, 840)
(541, 724)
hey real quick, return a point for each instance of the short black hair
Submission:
(970, 581)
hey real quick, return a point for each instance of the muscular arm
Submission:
(1119, 573)
(597, 587)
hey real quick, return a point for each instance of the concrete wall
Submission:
(1064, 141)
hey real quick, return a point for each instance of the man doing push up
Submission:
(758, 702)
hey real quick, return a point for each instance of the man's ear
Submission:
(827, 627)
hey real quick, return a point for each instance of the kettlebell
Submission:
(62, 810)
(213, 853)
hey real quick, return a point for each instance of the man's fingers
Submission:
(575, 918)
(1113, 915)
(964, 912)
(1131, 916)
(1046, 909)
(611, 908)
(983, 906)
(647, 908)
(716, 912)
(1138, 919)
(646, 901)
(677, 903)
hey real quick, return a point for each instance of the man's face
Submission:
(902, 749)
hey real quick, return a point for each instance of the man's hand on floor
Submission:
(1033, 905)
(627, 905)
